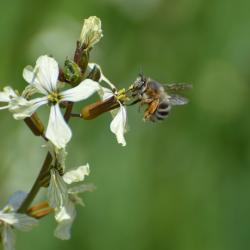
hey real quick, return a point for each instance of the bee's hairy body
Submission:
(153, 94)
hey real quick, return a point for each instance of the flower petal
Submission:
(82, 188)
(58, 131)
(44, 76)
(81, 92)
(77, 174)
(65, 217)
(8, 238)
(48, 72)
(118, 125)
(30, 76)
(22, 108)
(20, 221)
(57, 191)
(4, 107)
(7, 94)
(58, 154)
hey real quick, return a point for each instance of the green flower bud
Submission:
(72, 72)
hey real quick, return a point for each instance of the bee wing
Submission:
(174, 87)
(175, 100)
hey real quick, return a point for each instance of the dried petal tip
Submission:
(91, 32)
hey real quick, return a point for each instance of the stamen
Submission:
(54, 97)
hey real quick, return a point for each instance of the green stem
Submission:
(36, 186)
(45, 169)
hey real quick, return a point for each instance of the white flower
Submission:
(91, 32)
(44, 77)
(119, 122)
(118, 125)
(6, 96)
(63, 199)
(76, 175)
(66, 215)
(10, 220)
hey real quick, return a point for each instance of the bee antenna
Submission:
(141, 73)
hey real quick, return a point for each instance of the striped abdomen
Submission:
(162, 111)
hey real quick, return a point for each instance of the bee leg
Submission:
(152, 107)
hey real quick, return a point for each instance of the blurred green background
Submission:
(182, 184)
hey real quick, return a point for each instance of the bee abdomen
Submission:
(161, 112)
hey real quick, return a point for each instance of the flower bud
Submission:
(91, 32)
(72, 72)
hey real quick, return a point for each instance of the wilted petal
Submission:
(57, 191)
(20, 221)
(65, 217)
(7, 94)
(76, 175)
(82, 188)
(58, 131)
(81, 92)
(22, 108)
(29, 91)
(91, 32)
(8, 218)
(118, 125)
(74, 191)
(8, 238)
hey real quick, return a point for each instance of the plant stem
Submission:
(36, 186)
(45, 168)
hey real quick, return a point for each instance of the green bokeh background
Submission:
(182, 184)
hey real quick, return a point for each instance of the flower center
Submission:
(54, 97)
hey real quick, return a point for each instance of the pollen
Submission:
(54, 97)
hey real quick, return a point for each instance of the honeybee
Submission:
(158, 97)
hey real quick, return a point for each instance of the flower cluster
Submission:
(58, 88)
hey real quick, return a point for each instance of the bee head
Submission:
(139, 85)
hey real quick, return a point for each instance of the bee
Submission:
(158, 97)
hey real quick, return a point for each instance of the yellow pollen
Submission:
(54, 97)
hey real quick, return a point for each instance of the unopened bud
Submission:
(72, 72)
(91, 32)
